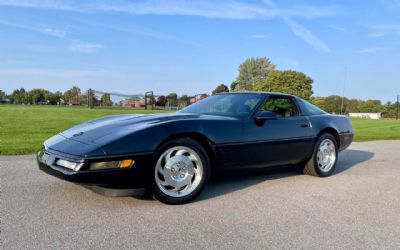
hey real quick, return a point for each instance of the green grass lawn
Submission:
(24, 128)
(367, 130)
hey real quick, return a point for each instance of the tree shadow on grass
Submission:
(232, 182)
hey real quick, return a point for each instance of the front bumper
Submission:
(345, 140)
(136, 176)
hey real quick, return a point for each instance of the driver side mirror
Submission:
(264, 115)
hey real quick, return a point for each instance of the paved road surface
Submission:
(358, 207)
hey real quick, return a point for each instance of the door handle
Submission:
(304, 125)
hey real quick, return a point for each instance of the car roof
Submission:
(254, 92)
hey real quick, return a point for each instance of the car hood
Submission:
(92, 131)
(119, 134)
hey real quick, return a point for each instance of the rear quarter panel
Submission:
(340, 123)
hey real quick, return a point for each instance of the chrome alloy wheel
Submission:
(178, 171)
(326, 156)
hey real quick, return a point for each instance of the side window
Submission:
(314, 110)
(281, 106)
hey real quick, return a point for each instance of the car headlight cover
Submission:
(68, 164)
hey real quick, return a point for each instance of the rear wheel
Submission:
(324, 158)
(181, 171)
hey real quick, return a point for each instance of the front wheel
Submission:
(181, 171)
(324, 158)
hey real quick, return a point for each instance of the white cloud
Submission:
(53, 32)
(150, 33)
(337, 28)
(380, 30)
(46, 30)
(84, 47)
(372, 50)
(44, 4)
(75, 44)
(218, 9)
(374, 35)
(387, 27)
(259, 36)
(307, 36)
(301, 31)
(227, 9)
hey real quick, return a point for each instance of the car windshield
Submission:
(225, 104)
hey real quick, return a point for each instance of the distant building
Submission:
(197, 98)
(139, 103)
(5, 100)
(132, 103)
(128, 103)
(375, 116)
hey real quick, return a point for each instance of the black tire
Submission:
(193, 145)
(311, 167)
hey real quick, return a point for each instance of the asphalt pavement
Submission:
(356, 208)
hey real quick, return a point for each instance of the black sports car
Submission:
(173, 155)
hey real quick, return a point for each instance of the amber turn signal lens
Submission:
(126, 163)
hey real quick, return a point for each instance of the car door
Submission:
(286, 139)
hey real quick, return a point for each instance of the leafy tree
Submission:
(220, 88)
(19, 96)
(330, 104)
(390, 109)
(333, 103)
(350, 105)
(106, 100)
(14, 96)
(370, 106)
(251, 71)
(287, 81)
(161, 100)
(172, 98)
(40, 96)
(184, 100)
(55, 98)
(72, 96)
(233, 85)
(36, 96)
(93, 98)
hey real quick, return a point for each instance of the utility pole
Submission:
(145, 100)
(89, 99)
(398, 104)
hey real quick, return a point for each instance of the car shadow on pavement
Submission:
(233, 182)
(236, 181)
(351, 157)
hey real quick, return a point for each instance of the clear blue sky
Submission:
(192, 46)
